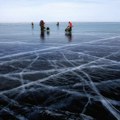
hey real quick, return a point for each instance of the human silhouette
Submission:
(69, 27)
(42, 25)
(32, 25)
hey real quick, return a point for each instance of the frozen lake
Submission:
(58, 76)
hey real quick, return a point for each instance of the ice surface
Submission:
(61, 77)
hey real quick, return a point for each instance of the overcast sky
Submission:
(62, 10)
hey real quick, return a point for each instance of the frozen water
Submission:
(60, 76)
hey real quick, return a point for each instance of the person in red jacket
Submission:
(69, 27)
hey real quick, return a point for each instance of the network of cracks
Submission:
(69, 82)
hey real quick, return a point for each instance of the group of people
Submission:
(43, 28)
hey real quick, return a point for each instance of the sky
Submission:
(62, 10)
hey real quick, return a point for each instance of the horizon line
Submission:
(66, 21)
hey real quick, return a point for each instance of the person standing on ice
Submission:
(69, 27)
(42, 25)
(32, 25)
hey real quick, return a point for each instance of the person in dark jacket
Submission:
(42, 25)
(32, 25)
